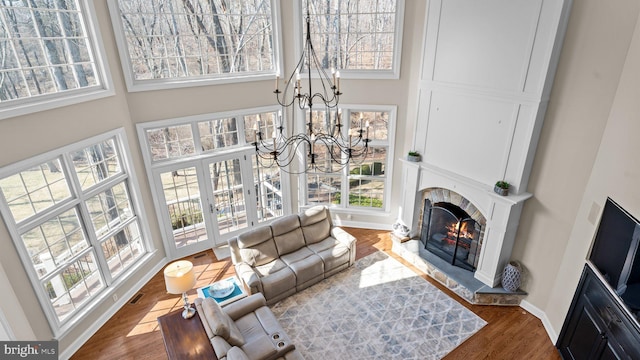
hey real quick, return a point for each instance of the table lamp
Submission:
(180, 278)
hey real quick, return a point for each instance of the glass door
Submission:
(267, 184)
(204, 203)
(229, 196)
(184, 210)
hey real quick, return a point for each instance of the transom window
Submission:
(73, 217)
(187, 40)
(365, 182)
(47, 51)
(358, 35)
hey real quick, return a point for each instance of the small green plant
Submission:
(413, 153)
(502, 184)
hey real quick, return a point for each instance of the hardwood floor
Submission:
(133, 332)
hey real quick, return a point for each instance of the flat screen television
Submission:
(615, 252)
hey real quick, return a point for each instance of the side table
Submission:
(236, 292)
(185, 338)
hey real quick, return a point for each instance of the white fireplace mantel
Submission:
(502, 213)
(487, 72)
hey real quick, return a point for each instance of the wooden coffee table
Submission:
(185, 338)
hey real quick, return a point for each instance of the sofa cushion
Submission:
(333, 252)
(257, 246)
(220, 323)
(276, 278)
(250, 327)
(258, 328)
(287, 234)
(316, 224)
(305, 264)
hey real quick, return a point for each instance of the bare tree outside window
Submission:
(177, 39)
(353, 34)
(44, 49)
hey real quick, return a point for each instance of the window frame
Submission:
(344, 175)
(104, 88)
(394, 73)
(77, 202)
(134, 85)
(154, 168)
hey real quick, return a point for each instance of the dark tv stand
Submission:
(631, 297)
(598, 325)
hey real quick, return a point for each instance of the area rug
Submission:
(377, 309)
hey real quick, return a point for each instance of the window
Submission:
(356, 36)
(365, 183)
(73, 217)
(48, 52)
(210, 185)
(183, 42)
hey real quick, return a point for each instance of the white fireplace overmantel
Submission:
(501, 212)
(486, 75)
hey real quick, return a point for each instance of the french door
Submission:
(205, 202)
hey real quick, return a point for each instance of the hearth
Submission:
(450, 233)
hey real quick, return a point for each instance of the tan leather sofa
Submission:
(291, 254)
(245, 329)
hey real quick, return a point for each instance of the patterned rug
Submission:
(377, 309)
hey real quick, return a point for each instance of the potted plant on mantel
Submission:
(414, 156)
(501, 188)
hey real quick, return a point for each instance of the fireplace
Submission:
(495, 216)
(450, 233)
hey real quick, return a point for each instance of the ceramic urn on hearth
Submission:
(511, 276)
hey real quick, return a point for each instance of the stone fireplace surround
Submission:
(437, 195)
(502, 213)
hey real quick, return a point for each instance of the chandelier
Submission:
(324, 142)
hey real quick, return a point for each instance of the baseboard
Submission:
(361, 224)
(535, 311)
(77, 344)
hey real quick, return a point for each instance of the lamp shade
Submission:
(179, 277)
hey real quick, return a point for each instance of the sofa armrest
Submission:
(251, 303)
(260, 349)
(248, 277)
(234, 250)
(344, 237)
(347, 239)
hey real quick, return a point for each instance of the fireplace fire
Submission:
(450, 233)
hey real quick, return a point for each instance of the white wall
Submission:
(553, 224)
(616, 173)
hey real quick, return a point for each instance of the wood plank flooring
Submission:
(133, 332)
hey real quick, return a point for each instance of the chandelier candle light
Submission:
(328, 148)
